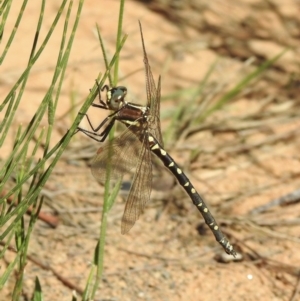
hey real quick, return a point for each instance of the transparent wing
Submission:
(153, 96)
(116, 157)
(155, 131)
(140, 190)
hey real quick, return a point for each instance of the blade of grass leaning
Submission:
(118, 41)
(89, 282)
(15, 28)
(4, 11)
(3, 210)
(186, 108)
(5, 247)
(240, 86)
(26, 75)
(8, 270)
(104, 54)
(113, 195)
(107, 203)
(7, 120)
(6, 170)
(38, 53)
(61, 65)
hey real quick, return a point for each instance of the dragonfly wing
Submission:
(116, 157)
(153, 96)
(140, 189)
(155, 110)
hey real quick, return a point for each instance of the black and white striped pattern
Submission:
(183, 180)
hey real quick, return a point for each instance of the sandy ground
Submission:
(248, 154)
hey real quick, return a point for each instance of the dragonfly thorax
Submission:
(116, 97)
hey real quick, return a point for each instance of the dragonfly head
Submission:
(115, 97)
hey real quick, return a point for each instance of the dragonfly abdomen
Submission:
(198, 201)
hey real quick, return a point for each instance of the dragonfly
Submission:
(133, 149)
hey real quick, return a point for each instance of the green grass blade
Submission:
(118, 41)
(6, 122)
(104, 54)
(6, 8)
(13, 33)
(113, 195)
(37, 294)
(8, 271)
(20, 163)
(107, 200)
(38, 53)
(88, 287)
(240, 86)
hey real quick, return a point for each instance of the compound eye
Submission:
(115, 97)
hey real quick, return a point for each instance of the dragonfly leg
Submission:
(93, 134)
(90, 134)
